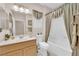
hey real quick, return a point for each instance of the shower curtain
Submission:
(69, 10)
(48, 23)
(58, 39)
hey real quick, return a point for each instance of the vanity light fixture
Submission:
(16, 8)
(21, 9)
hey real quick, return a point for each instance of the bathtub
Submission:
(58, 50)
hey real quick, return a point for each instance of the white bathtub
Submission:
(57, 50)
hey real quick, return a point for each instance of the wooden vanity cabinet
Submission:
(27, 48)
(30, 51)
(14, 53)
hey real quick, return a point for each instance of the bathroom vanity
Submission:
(19, 47)
(20, 23)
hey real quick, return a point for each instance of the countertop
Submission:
(16, 40)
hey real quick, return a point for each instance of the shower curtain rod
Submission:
(57, 8)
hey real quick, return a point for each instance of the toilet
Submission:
(42, 46)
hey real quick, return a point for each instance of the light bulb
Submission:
(21, 9)
(27, 11)
(16, 8)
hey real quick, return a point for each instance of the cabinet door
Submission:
(14, 53)
(30, 51)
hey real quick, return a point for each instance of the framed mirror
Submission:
(19, 25)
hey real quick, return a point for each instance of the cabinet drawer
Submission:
(14, 53)
(30, 51)
(12, 47)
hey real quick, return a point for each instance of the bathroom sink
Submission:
(22, 37)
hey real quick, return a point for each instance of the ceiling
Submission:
(51, 5)
(42, 7)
